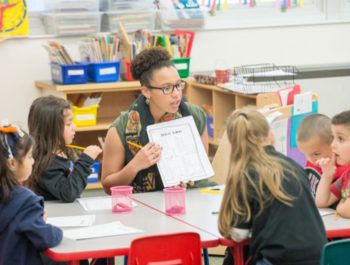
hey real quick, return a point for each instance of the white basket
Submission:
(131, 20)
(72, 23)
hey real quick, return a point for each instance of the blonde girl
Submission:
(268, 198)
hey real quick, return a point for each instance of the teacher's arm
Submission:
(114, 170)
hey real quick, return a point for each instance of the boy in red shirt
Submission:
(329, 192)
(314, 138)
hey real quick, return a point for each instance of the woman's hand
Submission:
(149, 155)
(184, 185)
(93, 151)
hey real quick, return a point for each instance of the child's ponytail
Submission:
(250, 168)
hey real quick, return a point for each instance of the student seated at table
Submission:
(23, 229)
(328, 192)
(267, 198)
(314, 138)
(57, 173)
(160, 100)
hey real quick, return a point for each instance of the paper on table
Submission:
(97, 203)
(324, 212)
(183, 154)
(72, 221)
(103, 230)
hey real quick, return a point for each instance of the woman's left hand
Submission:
(184, 185)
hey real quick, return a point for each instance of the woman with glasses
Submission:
(160, 100)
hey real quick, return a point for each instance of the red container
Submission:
(222, 76)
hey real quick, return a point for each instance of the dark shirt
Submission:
(62, 181)
(286, 235)
(23, 232)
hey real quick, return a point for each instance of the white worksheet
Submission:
(183, 155)
(98, 203)
(102, 230)
(72, 221)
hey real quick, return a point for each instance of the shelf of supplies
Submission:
(102, 124)
(94, 186)
(90, 87)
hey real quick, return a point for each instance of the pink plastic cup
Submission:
(121, 199)
(175, 201)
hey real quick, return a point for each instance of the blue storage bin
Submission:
(69, 73)
(95, 170)
(104, 72)
(210, 126)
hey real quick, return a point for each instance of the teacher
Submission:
(160, 100)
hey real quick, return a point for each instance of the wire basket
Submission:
(263, 78)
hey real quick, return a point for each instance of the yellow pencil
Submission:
(137, 145)
(211, 191)
(335, 215)
(75, 147)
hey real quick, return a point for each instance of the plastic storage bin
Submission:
(182, 18)
(131, 20)
(125, 73)
(72, 23)
(210, 125)
(104, 72)
(85, 116)
(183, 66)
(125, 4)
(72, 6)
(69, 73)
(95, 171)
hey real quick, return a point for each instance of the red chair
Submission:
(167, 249)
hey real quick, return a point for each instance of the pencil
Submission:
(75, 147)
(211, 191)
(137, 145)
(336, 215)
(214, 212)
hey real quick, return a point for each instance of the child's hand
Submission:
(93, 151)
(328, 166)
(45, 215)
(147, 156)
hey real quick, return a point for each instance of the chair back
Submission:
(166, 249)
(336, 253)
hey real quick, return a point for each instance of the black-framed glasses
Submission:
(170, 88)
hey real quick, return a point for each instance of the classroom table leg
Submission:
(237, 253)
(205, 256)
(73, 262)
(110, 261)
(125, 260)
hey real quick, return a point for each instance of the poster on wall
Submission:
(13, 17)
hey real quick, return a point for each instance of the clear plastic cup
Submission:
(121, 199)
(175, 201)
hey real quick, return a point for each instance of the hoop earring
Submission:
(147, 101)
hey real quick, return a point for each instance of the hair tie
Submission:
(244, 115)
(11, 137)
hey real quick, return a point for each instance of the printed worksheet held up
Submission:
(183, 154)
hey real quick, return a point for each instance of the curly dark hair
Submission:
(147, 61)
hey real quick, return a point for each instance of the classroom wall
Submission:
(22, 61)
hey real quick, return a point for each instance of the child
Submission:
(314, 138)
(54, 176)
(267, 198)
(328, 192)
(23, 230)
